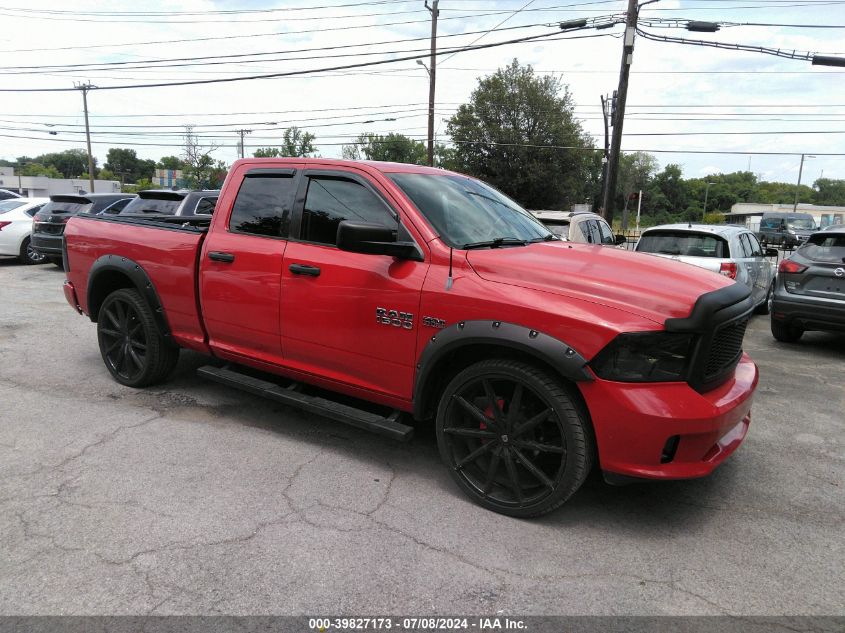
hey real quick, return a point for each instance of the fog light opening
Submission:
(669, 449)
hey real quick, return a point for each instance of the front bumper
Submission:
(808, 312)
(47, 244)
(634, 421)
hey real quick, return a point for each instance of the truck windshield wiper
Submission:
(546, 238)
(495, 243)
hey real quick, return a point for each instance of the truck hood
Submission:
(651, 287)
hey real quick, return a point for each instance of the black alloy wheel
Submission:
(513, 437)
(131, 344)
(29, 255)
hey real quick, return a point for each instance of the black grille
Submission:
(725, 348)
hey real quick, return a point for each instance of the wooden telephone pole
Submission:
(431, 78)
(85, 88)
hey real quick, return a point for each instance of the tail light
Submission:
(790, 266)
(728, 269)
(2, 224)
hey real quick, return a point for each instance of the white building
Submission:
(44, 187)
(749, 213)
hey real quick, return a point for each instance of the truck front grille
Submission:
(725, 348)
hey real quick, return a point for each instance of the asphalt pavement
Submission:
(192, 498)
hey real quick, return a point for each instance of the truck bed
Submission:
(166, 249)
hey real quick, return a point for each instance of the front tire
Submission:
(513, 437)
(786, 333)
(133, 348)
(28, 255)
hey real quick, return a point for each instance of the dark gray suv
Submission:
(810, 288)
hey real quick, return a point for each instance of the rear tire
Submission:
(786, 333)
(513, 437)
(133, 347)
(57, 261)
(28, 255)
(766, 306)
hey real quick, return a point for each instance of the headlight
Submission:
(645, 357)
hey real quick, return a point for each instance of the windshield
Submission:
(151, 205)
(802, 224)
(8, 205)
(466, 211)
(825, 248)
(64, 207)
(682, 243)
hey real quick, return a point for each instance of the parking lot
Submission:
(191, 498)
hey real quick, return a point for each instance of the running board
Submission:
(388, 426)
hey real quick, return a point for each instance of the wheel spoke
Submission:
(141, 347)
(515, 404)
(514, 478)
(462, 432)
(112, 333)
(494, 404)
(475, 412)
(113, 317)
(539, 474)
(134, 357)
(113, 346)
(532, 423)
(135, 329)
(121, 314)
(478, 452)
(537, 446)
(118, 361)
(492, 467)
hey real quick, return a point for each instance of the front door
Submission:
(349, 317)
(241, 266)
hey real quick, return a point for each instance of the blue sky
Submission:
(743, 101)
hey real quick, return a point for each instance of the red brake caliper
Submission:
(488, 412)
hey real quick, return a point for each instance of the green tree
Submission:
(518, 132)
(201, 170)
(71, 163)
(125, 164)
(37, 169)
(295, 142)
(395, 148)
(829, 192)
(140, 185)
(170, 162)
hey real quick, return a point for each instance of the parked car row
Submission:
(805, 292)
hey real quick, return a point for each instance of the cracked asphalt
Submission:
(191, 498)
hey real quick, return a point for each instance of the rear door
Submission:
(348, 317)
(765, 268)
(745, 258)
(241, 265)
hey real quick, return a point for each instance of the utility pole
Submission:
(431, 78)
(604, 157)
(621, 98)
(85, 88)
(798, 186)
(241, 146)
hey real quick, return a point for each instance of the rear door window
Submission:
(606, 233)
(756, 249)
(825, 248)
(584, 227)
(683, 243)
(263, 205)
(205, 206)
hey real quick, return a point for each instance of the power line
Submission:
(294, 73)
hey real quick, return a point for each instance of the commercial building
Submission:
(43, 187)
(749, 213)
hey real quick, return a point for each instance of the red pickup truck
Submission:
(371, 292)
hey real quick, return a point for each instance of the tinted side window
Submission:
(756, 249)
(606, 233)
(34, 210)
(585, 231)
(205, 206)
(263, 205)
(744, 245)
(329, 201)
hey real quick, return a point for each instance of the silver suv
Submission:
(732, 251)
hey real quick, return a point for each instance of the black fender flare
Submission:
(139, 278)
(552, 351)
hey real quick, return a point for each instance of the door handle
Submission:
(221, 257)
(304, 269)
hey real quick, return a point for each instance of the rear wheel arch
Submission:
(113, 272)
(462, 344)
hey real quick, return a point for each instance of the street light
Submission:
(798, 186)
(422, 63)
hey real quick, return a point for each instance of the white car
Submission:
(16, 228)
(732, 251)
(579, 226)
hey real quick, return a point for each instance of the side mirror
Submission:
(771, 252)
(374, 239)
(619, 239)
